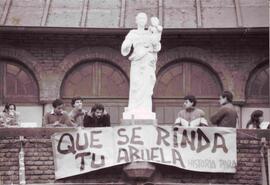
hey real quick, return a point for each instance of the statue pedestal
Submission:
(139, 121)
(139, 117)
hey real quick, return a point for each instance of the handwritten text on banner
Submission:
(197, 149)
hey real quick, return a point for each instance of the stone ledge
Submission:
(47, 132)
(139, 122)
(147, 183)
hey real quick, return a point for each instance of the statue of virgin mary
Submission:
(142, 71)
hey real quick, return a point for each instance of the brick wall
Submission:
(39, 168)
(9, 159)
(50, 56)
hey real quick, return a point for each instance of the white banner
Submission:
(205, 149)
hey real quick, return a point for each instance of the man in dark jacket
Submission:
(226, 116)
(97, 117)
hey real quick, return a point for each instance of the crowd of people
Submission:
(226, 116)
(97, 116)
(58, 117)
(192, 116)
(77, 117)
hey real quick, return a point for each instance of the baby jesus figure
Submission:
(155, 29)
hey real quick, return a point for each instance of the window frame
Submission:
(18, 99)
(258, 99)
(97, 65)
(187, 63)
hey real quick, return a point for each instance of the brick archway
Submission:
(92, 53)
(178, 78)
(253, 68)
(107, 55)
(24, 58)
(197, 54)
(53, 81)
(254, 85)
(168, 107)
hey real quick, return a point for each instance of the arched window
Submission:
(95, 80)
(17, 84)
(181, 78)
(258, 84)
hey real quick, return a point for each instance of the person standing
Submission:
(226, 116)
(97, 117)
(57, 117)
(191, 116)
(77, 114)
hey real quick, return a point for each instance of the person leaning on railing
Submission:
(191, 116)
(257, 121)
(9, 117)
(97, 117)
(57, 117)
(77, 113)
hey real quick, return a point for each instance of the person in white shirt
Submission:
(191, 116)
